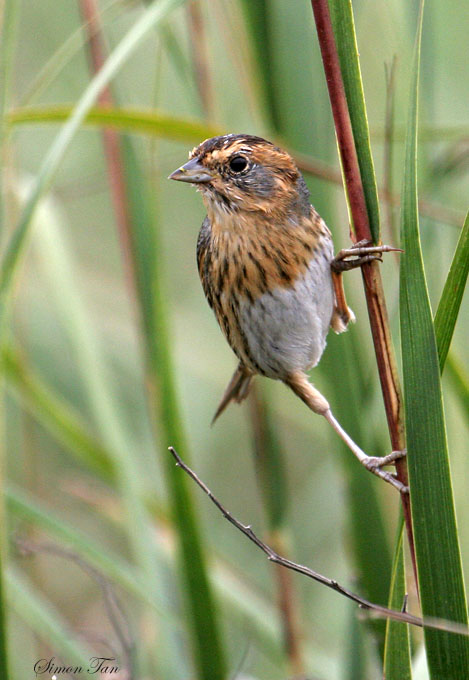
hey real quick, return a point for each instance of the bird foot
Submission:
(375, 465)
(362, 252)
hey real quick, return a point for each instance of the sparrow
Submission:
(266, 262)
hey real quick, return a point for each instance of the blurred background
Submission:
(112, 353)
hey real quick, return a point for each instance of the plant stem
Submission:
(270, 469)
(377, 312)
(111, 142)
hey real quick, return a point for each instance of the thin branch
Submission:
(374, 610)
(377, 312)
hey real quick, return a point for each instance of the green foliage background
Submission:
(101, 374)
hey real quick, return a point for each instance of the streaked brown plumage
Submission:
(267, 267)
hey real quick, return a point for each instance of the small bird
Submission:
(267, 266)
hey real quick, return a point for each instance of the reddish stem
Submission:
(111, 142)
(377, 312)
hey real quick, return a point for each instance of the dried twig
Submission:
(374, 610)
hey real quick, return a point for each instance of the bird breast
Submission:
(271, 292)
(286, 327)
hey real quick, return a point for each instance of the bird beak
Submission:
(192, 171)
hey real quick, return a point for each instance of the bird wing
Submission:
(204, 258)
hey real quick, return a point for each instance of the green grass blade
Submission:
(58, 270)
(58, 274)
(58, 417)
(451, 297)
(131, 120)
(270, 464)
(436, 539)
(203, 620)
(150, 18)
(50, 72)
(269, 459)
(45, 620)
(257, 20)
(9, 17)
(344, 30)
(355, 655)
(4, 666)
(397, 661)
(9, 20)
(29, 510)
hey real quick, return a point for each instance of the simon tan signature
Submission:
(96, 665)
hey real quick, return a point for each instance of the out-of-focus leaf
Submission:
(150, 18)
(45, 620)
(55, 415)
(132, 120)
(25, 508)
(9, 21)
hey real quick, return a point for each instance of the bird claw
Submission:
(375, 464)
(362, 252)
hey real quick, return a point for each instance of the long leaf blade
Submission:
(129, 119)
(436, 540)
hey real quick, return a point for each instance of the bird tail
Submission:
(237, 390)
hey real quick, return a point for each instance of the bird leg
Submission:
(362, 252)
(300, 385)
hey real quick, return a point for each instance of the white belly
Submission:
(286, 330)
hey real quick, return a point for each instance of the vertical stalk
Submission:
(140, 252)
(270, 469)
(111, 142)
(9, 15)
(377, 312)
(199, 58)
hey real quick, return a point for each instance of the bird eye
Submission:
(238, 164)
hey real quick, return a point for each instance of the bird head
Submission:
(243, 173)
